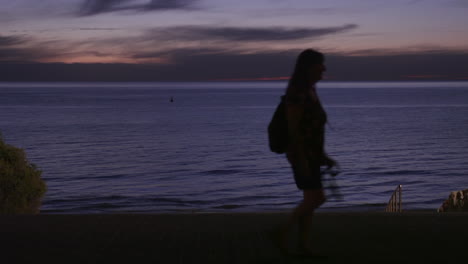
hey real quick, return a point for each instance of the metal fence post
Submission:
(400, 190)
(395, 203)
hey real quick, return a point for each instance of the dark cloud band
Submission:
(192, 65)
(245, 34)
(94, 7)
(10, 40)
(98, 29)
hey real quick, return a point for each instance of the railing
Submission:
(394, 204)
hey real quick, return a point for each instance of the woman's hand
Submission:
(329, 162)
(332, 166)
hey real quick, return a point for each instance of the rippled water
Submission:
(124, 147)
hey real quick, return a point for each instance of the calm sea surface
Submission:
(124, 147)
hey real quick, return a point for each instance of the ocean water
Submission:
(124, 147)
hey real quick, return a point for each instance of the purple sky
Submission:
(223, 39)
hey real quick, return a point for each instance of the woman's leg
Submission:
(302, 215)
(313, 199)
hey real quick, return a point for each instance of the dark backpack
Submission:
(278, 129)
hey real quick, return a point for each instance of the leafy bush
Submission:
(21, 186)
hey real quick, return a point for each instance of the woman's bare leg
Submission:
(313, 198)
(302, 215)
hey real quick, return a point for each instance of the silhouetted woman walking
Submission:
(306, 128)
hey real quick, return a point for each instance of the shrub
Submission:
(21, 186)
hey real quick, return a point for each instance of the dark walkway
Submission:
(230, 238)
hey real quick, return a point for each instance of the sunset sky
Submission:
(151, 40)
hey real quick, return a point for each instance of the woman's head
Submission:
(308, 70)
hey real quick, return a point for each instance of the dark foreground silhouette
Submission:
(230, 238)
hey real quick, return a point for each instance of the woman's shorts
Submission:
(310, 181)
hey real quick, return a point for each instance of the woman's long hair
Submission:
(300, 81)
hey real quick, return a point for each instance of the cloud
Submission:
(180, 53)
(445, 64)
(407, 51)
(193, 66)
(214, 53)
(26, 49)
(157, 45)
(246, 34)
(167, 44)
(98, 29)
(10, 40)
(94, 7)
(167, 4)
(12, 54)
(15, 48)
(294, 11)
(160, 44)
